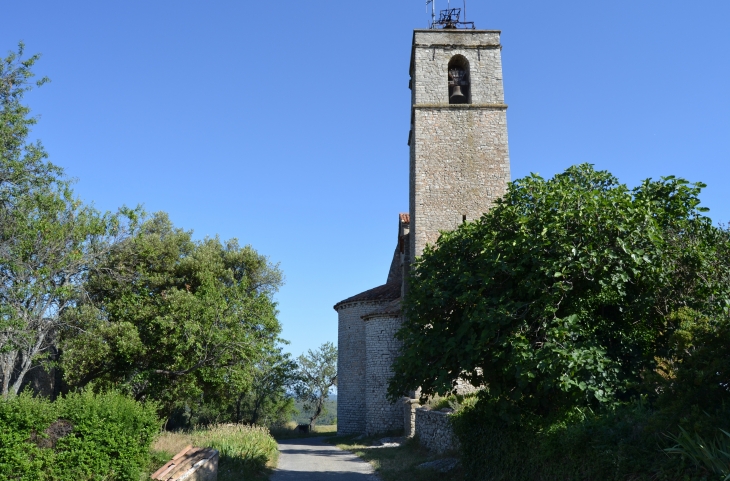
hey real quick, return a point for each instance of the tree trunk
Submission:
(238, 408)
(25, 363)
(317, 412)
(257, 408)
(27, 357)
(7, 366)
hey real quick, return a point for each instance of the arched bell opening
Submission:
(459, 81)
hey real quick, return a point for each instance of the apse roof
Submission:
(386, 292)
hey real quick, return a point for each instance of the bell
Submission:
(456, 96)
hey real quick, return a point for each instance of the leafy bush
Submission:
(597, 318)
(457, 402)
(562, 295)
(625, 442)
(692, 380)
(79, 437)
(616, 445)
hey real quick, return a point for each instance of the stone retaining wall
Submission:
(434, 431)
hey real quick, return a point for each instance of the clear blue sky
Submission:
(285, 123)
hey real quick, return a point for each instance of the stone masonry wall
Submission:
(459, 159)
(351, 366)
(432, 50)
(381, 350)
(460, 166)
(434, 431)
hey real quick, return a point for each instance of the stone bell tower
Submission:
(459, 159)
(459, 164)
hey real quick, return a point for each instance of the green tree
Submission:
(267, 402)
(47, 238)
(168, 318)
(23, 164)
(562, 295)
(317, 374)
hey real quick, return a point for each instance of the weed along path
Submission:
(310, 459)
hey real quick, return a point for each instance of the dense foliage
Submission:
(23, 164)
(630, 441)
(596, 318)
(78, 437)
(136, 304)
(179, 321)
(565, 294)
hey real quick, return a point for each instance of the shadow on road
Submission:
(323, 476)
(312, 460)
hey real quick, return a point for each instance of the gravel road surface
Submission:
(310, 459)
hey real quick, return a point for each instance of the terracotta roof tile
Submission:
(405, 218)
(386, 292)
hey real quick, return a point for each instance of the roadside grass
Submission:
(289, 431)
(246, 452)
(398, 463)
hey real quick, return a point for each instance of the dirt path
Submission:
(310, 459)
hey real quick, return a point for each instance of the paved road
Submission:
(310, 459)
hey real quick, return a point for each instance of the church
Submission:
(459, 164)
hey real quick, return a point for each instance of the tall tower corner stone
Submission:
(459, 156)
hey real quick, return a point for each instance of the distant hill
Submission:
(329, 417)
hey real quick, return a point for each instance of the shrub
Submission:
(625, 443)
(21, 419)
(457, 402)
(695, 374)
(561, 295)
(595, 315)
(687, 415)
(80, 437)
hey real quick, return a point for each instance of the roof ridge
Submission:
(386, 292)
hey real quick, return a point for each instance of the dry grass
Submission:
(172, 443)
(396, 464)
(246, 452)
(289, 431)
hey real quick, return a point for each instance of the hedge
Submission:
(79, 437)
